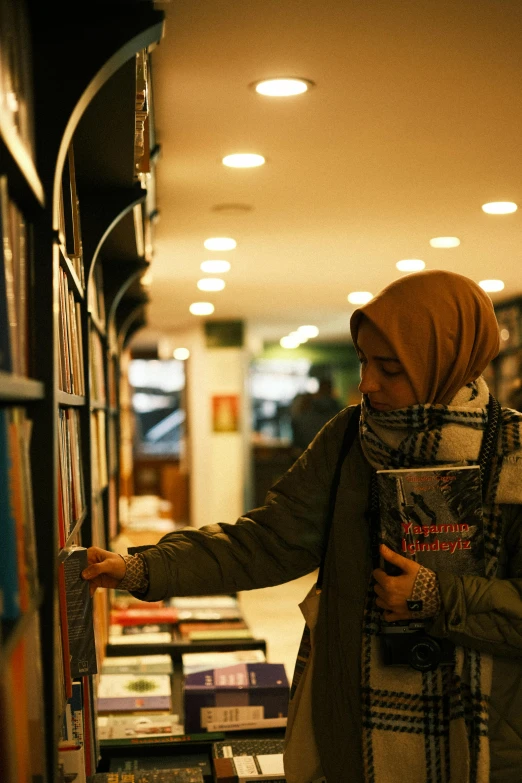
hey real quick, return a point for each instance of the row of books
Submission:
(96, 369)
(71, 478)
(190, 619)
(14, 286)
(18, 562)
(71, 376)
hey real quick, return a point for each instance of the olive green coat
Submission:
(283, 540)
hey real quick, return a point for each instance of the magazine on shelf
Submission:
(433, 516)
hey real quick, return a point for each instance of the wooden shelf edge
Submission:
(70, 400)
(16, 387)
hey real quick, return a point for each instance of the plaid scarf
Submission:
(432, 727)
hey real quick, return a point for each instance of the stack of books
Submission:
(134, 699)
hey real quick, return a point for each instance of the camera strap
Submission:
(485, 460)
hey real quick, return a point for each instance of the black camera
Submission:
(406, 643)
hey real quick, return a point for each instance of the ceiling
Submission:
(415, 121)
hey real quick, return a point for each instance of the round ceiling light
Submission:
(410, 265)
(181, 354)
(211, 284)
(499, 207)
(201, 308)
(243, 160)
(491, 285)
(220, 243)
(282, 87)
(359, 297)
(215, 267)
(445, 242)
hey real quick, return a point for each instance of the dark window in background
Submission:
(157, 401)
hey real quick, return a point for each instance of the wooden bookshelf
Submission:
(74, 217)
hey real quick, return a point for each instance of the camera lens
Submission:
(424, 655)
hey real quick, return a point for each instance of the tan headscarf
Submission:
(440, 325)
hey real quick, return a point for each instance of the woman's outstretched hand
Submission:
(105, 569)
(393, 591)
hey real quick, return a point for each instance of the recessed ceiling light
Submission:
(299, 336)
(445, 242)
(220, 243)
(181, 354)
(491, 285)
(211, 284)
(201, 308)
(243, 160)
(282, 88)
(308, 330)
(359, 297)
(289, 342)
(410, 265)
(499, 207)
(215, 267)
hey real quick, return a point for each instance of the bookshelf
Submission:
(76, 199)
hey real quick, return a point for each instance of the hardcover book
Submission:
(433, 516)
(161, 633)
(130, 692)
(243, 685)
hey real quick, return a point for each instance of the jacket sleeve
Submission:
(486, 614)
(275, 543)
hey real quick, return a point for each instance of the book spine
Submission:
(9, 575)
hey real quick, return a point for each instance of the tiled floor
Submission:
(274, 615)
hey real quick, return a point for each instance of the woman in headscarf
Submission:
(423, 342)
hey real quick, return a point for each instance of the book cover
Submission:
(240, 685)
(128, 692)
(248, 760)
(433, 516)
(184, 761)
(200, 661)
(219, 635)
(111, 727)
(142, 615)
(189, 775)
(71, 759)
(82, 645)
(137, 664)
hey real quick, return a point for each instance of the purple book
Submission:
(232, 693)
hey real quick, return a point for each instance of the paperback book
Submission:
(171, 761)
(137, 664)
(433, 516)
(112, 727)
(130, 692)
(80, 626)
(189, 775)
(199, 661)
